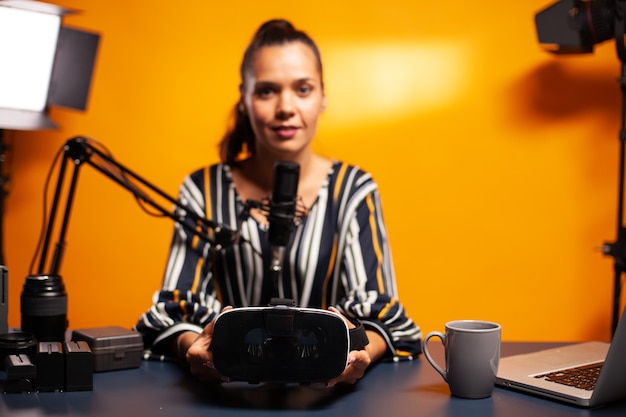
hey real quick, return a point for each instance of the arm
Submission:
(368, 278)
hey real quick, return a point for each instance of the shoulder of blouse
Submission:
(351, 179)
(206, 177)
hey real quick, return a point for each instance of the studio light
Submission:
(25, 85)
(575, 26)
(43, 64)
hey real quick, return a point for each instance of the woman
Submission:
(338, 256)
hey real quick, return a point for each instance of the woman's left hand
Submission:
(359, 360)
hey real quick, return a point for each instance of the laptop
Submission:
(584, 374)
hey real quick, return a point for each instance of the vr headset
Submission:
(281, 343)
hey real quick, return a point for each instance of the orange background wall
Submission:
(497, 161)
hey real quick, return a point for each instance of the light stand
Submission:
(574, 27)
(617, 249)
(42, 64)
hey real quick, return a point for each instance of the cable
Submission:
(44, 222)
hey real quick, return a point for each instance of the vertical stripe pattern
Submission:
(338, 256)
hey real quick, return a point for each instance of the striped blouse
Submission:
(338, 256)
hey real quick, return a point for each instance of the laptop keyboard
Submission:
(583, 377)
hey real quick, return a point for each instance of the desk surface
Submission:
(389, 389)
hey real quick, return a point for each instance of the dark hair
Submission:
(240, 136)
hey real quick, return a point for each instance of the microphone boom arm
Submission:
(79, 151)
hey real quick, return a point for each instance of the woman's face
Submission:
(283, 96)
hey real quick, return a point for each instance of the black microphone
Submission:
(282, 205)
(281, 217)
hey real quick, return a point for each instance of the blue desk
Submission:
(388, 390)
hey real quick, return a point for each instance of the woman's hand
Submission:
(195, 349)
(360, 360)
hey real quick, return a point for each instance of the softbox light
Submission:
(43, 64)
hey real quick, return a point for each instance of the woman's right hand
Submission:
(198, 355)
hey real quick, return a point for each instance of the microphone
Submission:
(282, 216)
(282, 204)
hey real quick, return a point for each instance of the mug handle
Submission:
(441, 336)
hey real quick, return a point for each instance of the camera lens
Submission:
(44, 307)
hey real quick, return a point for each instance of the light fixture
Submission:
(43, 64)
(575, 26)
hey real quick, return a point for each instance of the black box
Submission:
(50, 362)
(21, 374)
(113, 347)
(78, 366)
